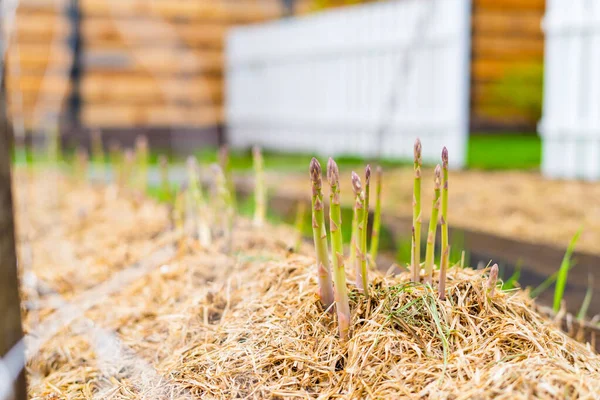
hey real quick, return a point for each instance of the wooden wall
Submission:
(160, 62)
(39, 60)
(506, 66)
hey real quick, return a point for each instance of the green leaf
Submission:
(563, 272)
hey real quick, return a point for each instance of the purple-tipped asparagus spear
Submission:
(416, 257)
(320, 235)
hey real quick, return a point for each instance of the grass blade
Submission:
(563, 272)
(585, 305)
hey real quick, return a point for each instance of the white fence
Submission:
(362, 80)
(570, 125)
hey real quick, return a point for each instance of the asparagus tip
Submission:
(378, 170)
(367, 174)
(162, 160)
(418, 149)
(315, 169)
(333, 173)
(356, 186)
(445, 157)
(437, 176)
(493, 278)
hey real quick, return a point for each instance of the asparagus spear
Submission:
(164, 178)
(359, 211)
(259, 187)
(492, 280)
(416, 248)
(198, 204)
(377, 217)
(128, 161)
(224, 162)
(429, 252)
(116, 162)
(444, 262)
(320, 236)
(225, 203)
(365, 224)
(337, 247)
(443, 269)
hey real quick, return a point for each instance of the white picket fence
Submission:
(362, 80)
(570, 125)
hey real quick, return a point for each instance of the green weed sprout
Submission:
(433, 221)
(416, 248)
(377, 216)
(563, 272)
(337, 247)
(259, 187)
(320, 235)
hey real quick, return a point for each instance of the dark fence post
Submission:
(11, 331)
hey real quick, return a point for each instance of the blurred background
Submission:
(167, 69)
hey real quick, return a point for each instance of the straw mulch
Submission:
(249, 325)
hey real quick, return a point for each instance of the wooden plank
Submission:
(41, 27)
(158, 115)
(11, 331)
(166, 60)
(238, 12)
(148, 90)
(37, 58)
(505, 23)
(507, 48)
(510, 4)
(57, 84)
(109, 33)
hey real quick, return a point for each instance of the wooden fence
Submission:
(365, 80)
(571, 121)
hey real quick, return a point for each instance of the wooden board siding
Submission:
(506, 65)
(39, 61)
(158, 63)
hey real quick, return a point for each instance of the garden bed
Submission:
(196, 321)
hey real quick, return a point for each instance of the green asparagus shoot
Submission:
(443, 269)
(259, 187)
(165, 185)
(416, 248)
(377, 216)
(365, 225)
(337, 247)
(444, 217)
(197, 205)
(300, 218)
(492, 280)
(359, 211)
(225, 163)
(320, 235)
(433, 221)
(116, 162)
(225, 205)
(128, 162)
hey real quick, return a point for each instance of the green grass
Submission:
(504, 151)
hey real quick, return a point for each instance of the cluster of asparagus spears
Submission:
(337, 291)
(192, 208)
